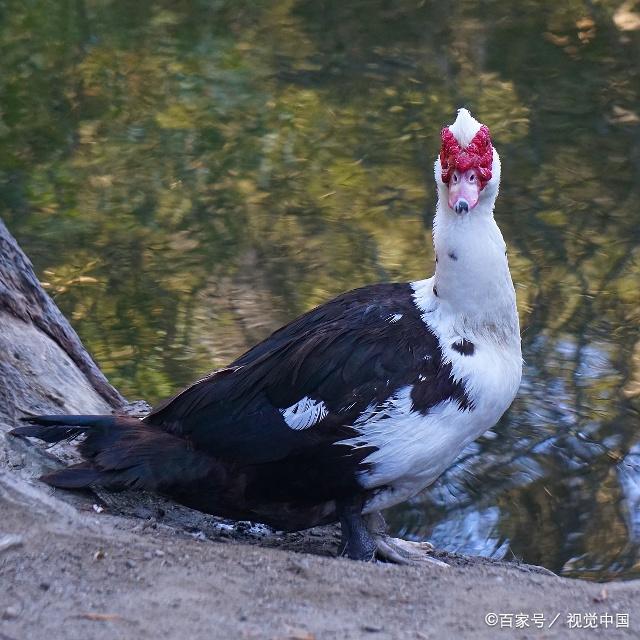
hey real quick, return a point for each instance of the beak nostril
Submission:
(461, 206)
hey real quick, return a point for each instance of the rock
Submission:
(142, 512)
(299, 567)
(10, 613)
(10, 541)
(16, 460)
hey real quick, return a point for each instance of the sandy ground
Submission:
(160, 571)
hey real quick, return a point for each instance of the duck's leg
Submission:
(357, 542)
(397, 550)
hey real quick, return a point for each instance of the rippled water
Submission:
(187, 176)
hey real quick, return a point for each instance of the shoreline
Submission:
(79, 569)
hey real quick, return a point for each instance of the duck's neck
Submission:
(472, 283)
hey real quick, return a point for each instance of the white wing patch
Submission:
(304, 413)
(395, 317)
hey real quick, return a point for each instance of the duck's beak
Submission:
(464, 192)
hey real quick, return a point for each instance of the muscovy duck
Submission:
(351, 408)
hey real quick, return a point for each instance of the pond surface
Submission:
(188, 176)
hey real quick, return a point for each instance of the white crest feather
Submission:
(465, 127)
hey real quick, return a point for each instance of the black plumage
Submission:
(223, 446)
(464, 347)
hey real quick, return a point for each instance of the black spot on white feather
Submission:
(431, 390)
(464, 347)
(435, 384)
(453, 256)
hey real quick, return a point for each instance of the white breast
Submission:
(413, 450)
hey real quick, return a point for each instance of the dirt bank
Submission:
(72, 572)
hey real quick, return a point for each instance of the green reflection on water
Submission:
(188, 176)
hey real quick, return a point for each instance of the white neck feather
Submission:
(471, 291)
(472, 281)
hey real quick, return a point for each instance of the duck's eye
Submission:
(472, 177)
(455, 178)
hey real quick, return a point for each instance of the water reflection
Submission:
(188, 176)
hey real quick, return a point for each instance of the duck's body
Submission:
(351, 408)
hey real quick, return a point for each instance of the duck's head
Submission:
(467, 170)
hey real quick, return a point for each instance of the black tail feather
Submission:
(77, 476)
(48, 434)
(52, 428)
(74, 420)
(121, 451)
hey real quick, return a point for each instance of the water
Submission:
(187, 176)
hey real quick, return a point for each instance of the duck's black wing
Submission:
(270, 428)
(304, 387)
